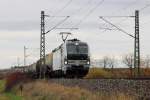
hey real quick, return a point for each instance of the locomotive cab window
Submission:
(77, 51)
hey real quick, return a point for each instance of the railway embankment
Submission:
(137, 88)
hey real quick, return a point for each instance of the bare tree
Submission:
(128, 60)
(142, 62)
(105, 61)
(112, 62)
(147, 61)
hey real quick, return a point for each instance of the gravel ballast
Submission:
(137, 88)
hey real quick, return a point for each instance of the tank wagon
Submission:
(70, 59)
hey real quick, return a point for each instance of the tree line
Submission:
(127, 60)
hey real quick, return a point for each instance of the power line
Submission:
(143, 8)
(61, 10)
(64, 7)
(68, 28)
(58, 24)
(136, 41)
(148, 5)
(126, 17)
(106, 28)
(117, 16)
(91, 11)
(131, 4)
(134, 2)
(121, 21)
(81, 7)
(116, 27)
(127, 7)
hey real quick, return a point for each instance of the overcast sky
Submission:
(20, 26)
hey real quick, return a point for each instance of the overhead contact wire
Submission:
(90, 12)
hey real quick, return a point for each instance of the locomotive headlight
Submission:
(88, 62)
(76, 43)
(66, 62)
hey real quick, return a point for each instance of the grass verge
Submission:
(7, 95)
(42, 90)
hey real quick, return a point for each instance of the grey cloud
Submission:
(19, 25)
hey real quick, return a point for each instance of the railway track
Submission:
(138, 78)
(138, 87)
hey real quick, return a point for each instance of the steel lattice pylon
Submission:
(136, 40)
(42, 43)
(137, 45)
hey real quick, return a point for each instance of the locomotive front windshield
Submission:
(77, 51)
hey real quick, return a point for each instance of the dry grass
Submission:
(98, 73)
(3, 97)
(115, 73)
(42, 90)
(146, 72)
